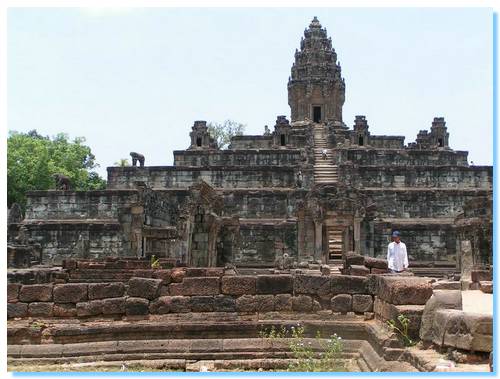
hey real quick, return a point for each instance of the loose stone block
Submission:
(161, 305)
(376, 263)
(264, 303)
(362, 303)
(273, 284)
(114, 305)
(177, 275)
(64, 310)
(311, 285)
(12, 292)
(40, 309)
(223, 303)
(106, 290)
(302, 303)
(359, 270)
(238, 285)
(17, 310)
(70, 293)
(143, 273)
(351, 258)
(440, 299)
(404, 290)
(447, 285)
(36, 292)
(342, 303)
(202, 303)
(179, 304)
(89, 308)
(486, 287)
(342, 284)
(246, 303)
(144, 287)
(481, 275)
(283, 302)
(136, 306)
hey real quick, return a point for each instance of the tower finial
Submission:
(315, 23)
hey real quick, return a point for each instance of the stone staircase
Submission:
(334, 244)
(324, 170)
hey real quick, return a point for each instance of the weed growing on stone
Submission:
(305, 350)
(403, 331)
(155, 262)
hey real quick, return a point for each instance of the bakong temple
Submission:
(302, 214)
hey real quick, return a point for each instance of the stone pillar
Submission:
(357, 235)
(318, 240)
(466, 260)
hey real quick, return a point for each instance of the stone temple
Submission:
(274, 194)
(280, 229)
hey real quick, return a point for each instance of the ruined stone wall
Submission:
(224, 177)
(403, 157)
(77, 205)
(416, 176)
(251, 142)
(387, 142)
(206, 158)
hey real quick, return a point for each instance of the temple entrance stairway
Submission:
(335, 244)
(324, 169)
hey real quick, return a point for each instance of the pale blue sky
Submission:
(136, 79)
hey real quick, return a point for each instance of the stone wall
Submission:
(182, 291)
(225, 177)
(78, 205)
(386, 142)
(416, 176)
(246, 157)
(251, 142)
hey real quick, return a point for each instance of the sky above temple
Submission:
(137, 79)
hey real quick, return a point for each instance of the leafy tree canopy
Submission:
(222, 133)
(32, 159)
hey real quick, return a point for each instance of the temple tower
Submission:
(316, 89)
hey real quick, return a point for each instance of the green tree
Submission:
(222, 133)
(32, 159)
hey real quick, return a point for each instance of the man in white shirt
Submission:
(397, 257)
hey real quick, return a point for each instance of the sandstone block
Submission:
(161, 305)
(238, 285)
(70, 293)
(195, 286)
(273, 284)
(115, 305)
(446, 285)
(358, 270)
(201, 303)
(136, 306)
(223, 303)
(144, 287)
(387, 311)
(342, 284)
(143, 273)
(342, 303)
(311, 285)
(106, 290)
(179, 304)
(351, 258)
(246, 303)
(404, 290)
(64, 310)
(302, 303)
(486, 287)
(379, 271)
(440, 299)
(283, 302)
(35, 292)
(376, 263)
(17, 310)
(164, 275)
(481, 275)
(362, 303)
(89, 308)
(264, 303)
(40, 309)
(177, 275)
(12, 292)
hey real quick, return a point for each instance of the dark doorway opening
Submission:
(440, 142)
(360, 141)
(316, 114)
(283, 140)
(198, 141)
